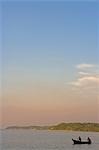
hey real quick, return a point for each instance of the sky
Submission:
(50, 62)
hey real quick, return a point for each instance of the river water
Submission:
(45, 140)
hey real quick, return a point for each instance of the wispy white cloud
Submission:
(84, 66)
(88, 76)
(91, 81)
(83, 73)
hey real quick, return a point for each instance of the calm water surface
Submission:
(45, 140)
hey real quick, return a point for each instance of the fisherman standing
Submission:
(79, 138)
(89, 140)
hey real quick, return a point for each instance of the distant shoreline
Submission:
(85, 127)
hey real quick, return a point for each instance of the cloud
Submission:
(84, 66)
(83, 73)
(90, 81)
(88, 77)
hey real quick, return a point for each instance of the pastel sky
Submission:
(50, 68)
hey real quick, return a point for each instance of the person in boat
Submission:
(89, 140)
(79, 138)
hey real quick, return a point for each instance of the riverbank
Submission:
(91, 127)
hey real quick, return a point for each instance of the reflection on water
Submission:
(45, 140)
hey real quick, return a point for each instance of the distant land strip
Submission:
(93, 127)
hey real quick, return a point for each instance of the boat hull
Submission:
(80, 142)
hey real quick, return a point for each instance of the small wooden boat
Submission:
(81, 142)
